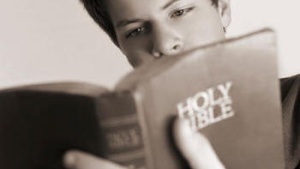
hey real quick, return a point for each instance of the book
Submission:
(227, 90)
(38, 123)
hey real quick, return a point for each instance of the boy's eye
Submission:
(136, 32)
(181, 12)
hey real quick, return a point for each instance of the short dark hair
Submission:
(97, 10)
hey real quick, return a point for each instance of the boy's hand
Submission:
(193, 145)
(80, 160)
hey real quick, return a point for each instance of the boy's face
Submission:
(149, 29)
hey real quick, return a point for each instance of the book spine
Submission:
(120, 133)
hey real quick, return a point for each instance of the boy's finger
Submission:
(195, 147)
(80, 160)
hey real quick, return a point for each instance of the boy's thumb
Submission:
(195, 147)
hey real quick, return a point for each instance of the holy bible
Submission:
(228, 91)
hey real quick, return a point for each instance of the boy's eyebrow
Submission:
(125, 22)
(169, 4)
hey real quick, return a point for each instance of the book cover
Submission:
(38, 123)
(228, 91)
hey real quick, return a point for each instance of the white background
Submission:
(55, 40)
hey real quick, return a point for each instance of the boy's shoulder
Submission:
(290, 97)
(290, 86)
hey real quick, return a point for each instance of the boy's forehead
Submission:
(137, 8)
(144, 3)
(138, 5)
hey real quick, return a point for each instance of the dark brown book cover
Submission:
(229, 91)
(38, 123)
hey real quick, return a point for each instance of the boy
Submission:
(146, 30)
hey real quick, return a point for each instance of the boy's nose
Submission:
(166, 42)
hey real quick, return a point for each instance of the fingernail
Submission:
(186, 126)
(184, 122)
(69, 159)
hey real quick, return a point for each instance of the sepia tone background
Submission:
(55, 40)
